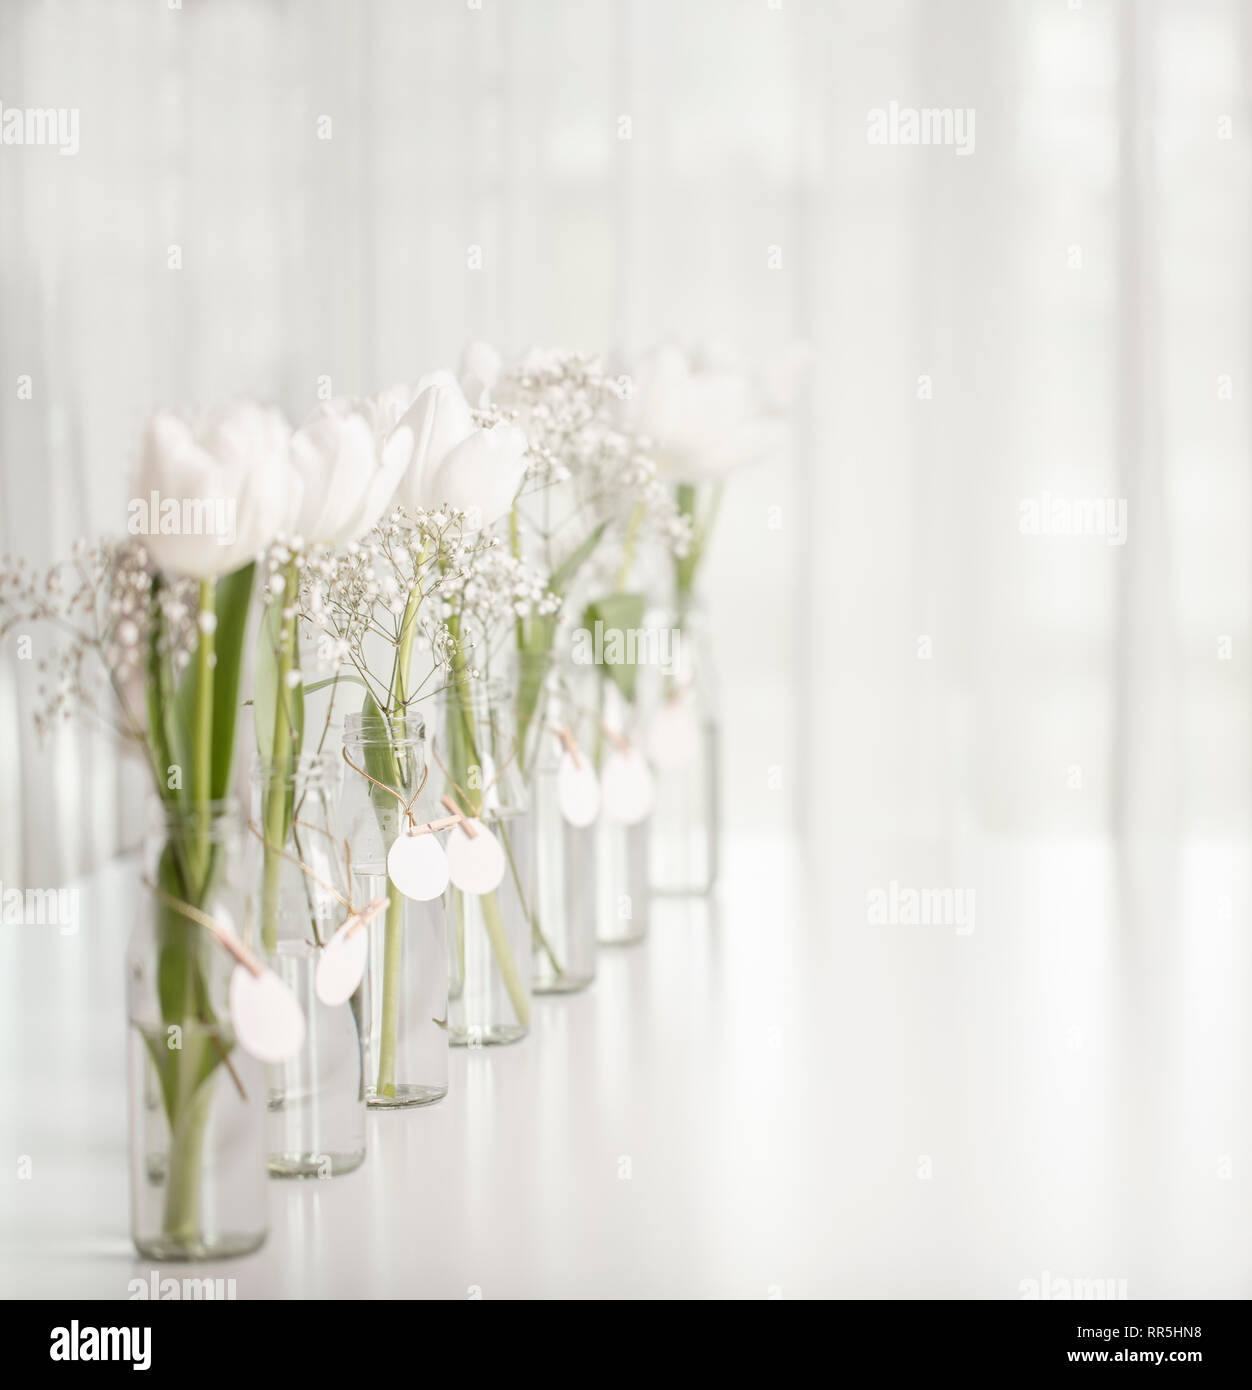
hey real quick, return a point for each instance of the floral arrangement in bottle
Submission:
(152, 633)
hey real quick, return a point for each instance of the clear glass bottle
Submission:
(563, 955)
(622, 887)
(478, 763)
(196, 1099)
(316, 1099)
(406, 977)
(682, 742)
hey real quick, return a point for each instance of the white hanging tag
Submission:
(577, 790)
(268, 1020)
(418, 866)
(476, 865)
(626, 787)
(674, 733)
(342, 963)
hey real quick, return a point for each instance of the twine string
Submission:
(360, 919)
(619, 740)
(303, 867)
(616, 738)
(430, 827)
(226, 939)
(459, 817)
(405, 806)
(465, 796)
(229, 943)
(568, 742)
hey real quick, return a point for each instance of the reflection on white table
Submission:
(762, 1100)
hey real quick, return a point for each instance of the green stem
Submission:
(458, 904)
(515, 545)
(385, 762)
(685, 566)
(393, 941)
(202, 741)
(282, 753)
(534, 661)
(404, 647)
(628, 547)
(181, 1215)
(393, 950)
(537, 937)
(188, 1108)
(494, 922)
(463, 753)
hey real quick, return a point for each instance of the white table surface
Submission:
(509, 1187)
(809, 1106)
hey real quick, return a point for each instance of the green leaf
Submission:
(269, 681)
(573, 562)
(617, 612)
(164, 730)
(533, 664)
(685, 566)
(380, 759)
(234, 593)
(182, 990)
(344, 678)
(172, 942)
(179, 718)
(265, 682)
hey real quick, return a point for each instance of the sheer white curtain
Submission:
(1056, 723)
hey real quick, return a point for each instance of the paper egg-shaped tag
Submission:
(577, 790)
(342, 963)
(626, 787)
(418, 867)
(475, 865)
(268, 1020)
(673, 734)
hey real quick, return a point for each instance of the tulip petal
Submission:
(233, 466)
(481, 476)
(480, 370)
(439, 419)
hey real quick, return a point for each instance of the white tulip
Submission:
(390, 405)
(481, 476)
(214, 491)
(349, 466)
(703, 419)
(480, 370)
(455, 463)
(438, 420)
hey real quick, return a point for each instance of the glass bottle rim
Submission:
(309, 770)
(483, 691)
(396, 730)
(171, 815)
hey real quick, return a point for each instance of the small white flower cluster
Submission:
(622, 480)
(105, 603)
(563, 402)
(569, 409)
(403, 566)
(495, 585)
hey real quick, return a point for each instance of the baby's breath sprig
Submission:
(377, 602)
(569, 408)
(106, 607)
